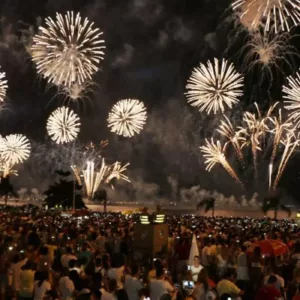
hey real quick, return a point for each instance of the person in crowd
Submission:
(196, 267)
(132, 284)
(227, 286)
(202, 289)
(27, 276)
(160, 286)
(66, 258)
(15, 270)
(66, 286)
(269, 291)
(41, 287)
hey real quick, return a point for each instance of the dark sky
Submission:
(152, 46)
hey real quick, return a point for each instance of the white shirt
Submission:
(195, 271)
(158, 288)
(199, 293)
(66, 288)
(116, 274)
(15, 270)
(65, 259)
(106, 295)
(242, 267)
(40, 291)
(132, 287)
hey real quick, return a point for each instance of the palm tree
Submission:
(209, 204)
(272, 202)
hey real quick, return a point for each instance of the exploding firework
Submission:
(213, 152)
(290, 141)
(268, 50)
(127, 117)
(14, 149)
(279, 14)
(69, 50)
(63, 125)
(234, 137)
(291, 92)
(93, 179)
(255, 129)
(3, 86)
(213, 86)
(269, 137)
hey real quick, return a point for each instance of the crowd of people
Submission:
(90, 256)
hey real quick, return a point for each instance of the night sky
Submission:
(152, 46)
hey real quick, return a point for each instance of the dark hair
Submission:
(122, 295)
(97, 294)
(159, 271)
(203, 278)
(243, 248)
(69, 250)
(72, 263)
(134, 269)
(272, 279)
(43, 277)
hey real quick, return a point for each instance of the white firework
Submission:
(63, 125)
(127, 117)
(93, 179)
(291, 94)
(213, 86)
(3, 86)
(280, 14)
(69, 50)
(14, 149)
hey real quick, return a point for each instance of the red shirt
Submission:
(268, 292)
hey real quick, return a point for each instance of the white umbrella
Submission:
(194, 250)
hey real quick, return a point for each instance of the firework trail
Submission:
(69, 50)
(255, 130)
(63, 125)
(279, 128)
(213, 86)
(290, 143)
(213, 152)
(270, 13)
(227, 130)
(127, 117)
(3, 86)
(93, 179)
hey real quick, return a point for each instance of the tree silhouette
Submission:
(209, 204)
(6, 188)
(62, 192)
(272, 202)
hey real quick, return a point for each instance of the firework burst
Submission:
(63, 125)
(234, 137)
(213, 152)
(3, 86)
(291, 94)
(93, 179)
(127, 117)
(269, 138)
(14, 149)
(268, 50)
(69, 50)
(213, 86)
(269, 13)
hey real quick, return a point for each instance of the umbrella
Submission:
(269, 247)
(194, 250)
